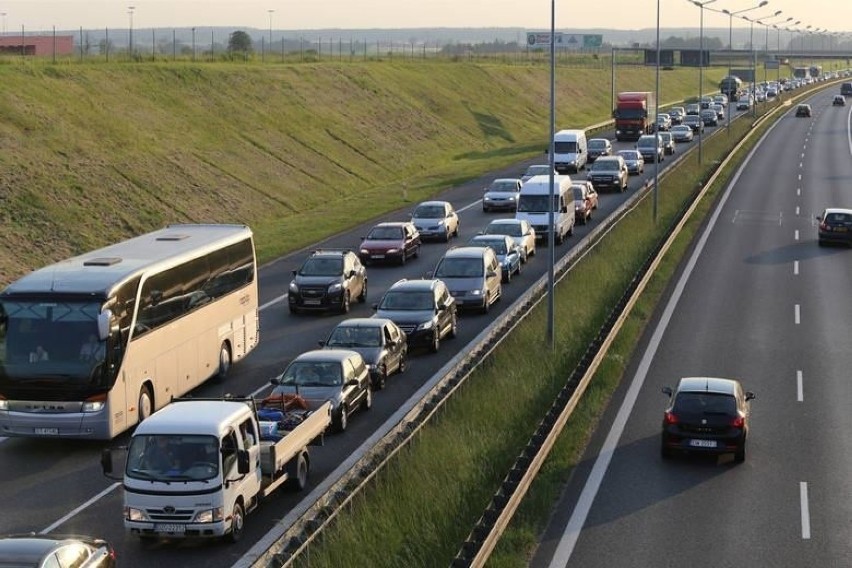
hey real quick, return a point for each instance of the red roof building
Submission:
(44, 45)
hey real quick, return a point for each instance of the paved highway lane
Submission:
(765, 304)
(58, 486)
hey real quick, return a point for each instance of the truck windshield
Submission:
(630, 113)
(173, 458)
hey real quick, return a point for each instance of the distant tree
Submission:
(239, 42)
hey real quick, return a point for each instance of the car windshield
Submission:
(385, 234)
(511, 229)
(460, 268)
(322, 267)
(538, 170)
(350, 336)
(429, 212)
(498, 245)
(646, 142)
(503, 185)
(704, 403)
(595, 144)
(312, 374)
(171, 458)
(629, 154)
(398, 300)
(605, 166)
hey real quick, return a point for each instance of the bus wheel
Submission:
(146, 403)
(224, 361)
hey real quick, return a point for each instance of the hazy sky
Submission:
(834, 15)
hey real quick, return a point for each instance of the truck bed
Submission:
(275, 455)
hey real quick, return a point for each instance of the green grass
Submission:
(423, 505)
(90, 154)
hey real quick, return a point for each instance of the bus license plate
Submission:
(46, 431)
(170, 528)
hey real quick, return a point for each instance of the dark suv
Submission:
(328, 280)
(609, 171)
(706, 415)
(423, 309)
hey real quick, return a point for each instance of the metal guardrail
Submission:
(353, 475)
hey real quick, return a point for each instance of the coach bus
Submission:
(92, 345)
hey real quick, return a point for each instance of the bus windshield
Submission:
(50, 342)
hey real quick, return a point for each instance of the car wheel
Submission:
(416, 252)
(486, 304)
(403, 363)
(740, 454)
(454, 326)
(363, 296)
(381, 377)
(345, 303)
(518, 270)
(294, 310)
(571, 231)
(665, 453)
(507, 276)
(367, 403)
(402, 258)
(436, 341)
(456, 232)
(447, 236)
(341, 420)
(238, 520)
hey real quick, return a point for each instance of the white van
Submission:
(533, 206)
(570, 151)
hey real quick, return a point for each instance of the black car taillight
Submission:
(738, 422)
(670, 418)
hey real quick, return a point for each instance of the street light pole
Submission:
(731, 47)
(551, 237)
(701, 70)
(657, 113)
(4, 22)
(270, 29)
(130, 10)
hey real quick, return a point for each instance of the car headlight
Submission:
(393, 251)
(294, 287)
(426, 325)
(335, 287)
(441, 223)
(512, 198)
(209, 516)
(365, 251)
(132, 514)
(475, 292)
(93, 406)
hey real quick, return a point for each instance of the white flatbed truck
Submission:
(195, 468)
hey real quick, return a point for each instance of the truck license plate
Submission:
(169, 528)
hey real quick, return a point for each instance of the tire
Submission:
(402, 258)
(507, 276)
(518, 271)
(341, 420)
(367, 403)
(224, 362)
(740, 454)
(456, 232)
(403, 364)
(238, 523)
(298, 473)
(145, 404)
(486, 305)
(571, 231)
(454, 327)
(665, 453)
(345, 303)
(382, 377)
(436, 341)
(362, 297)
(294, 310)
(447, 236)
(416, 252)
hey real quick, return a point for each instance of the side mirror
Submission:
(243, 465)
(490, 274)
(352, 273)
(819, 218)
(104, 320)
(321, 343)
(274, 381)
(430, 275)
(294, 272)
(667, 390)
(749, 395)
(375, 307)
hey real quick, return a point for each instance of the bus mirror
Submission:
(104, 321)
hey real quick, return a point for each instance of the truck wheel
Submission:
(298, 473)
(237, 522)
(146, 403)
(224, 361)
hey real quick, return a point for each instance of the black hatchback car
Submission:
(423, 309)
(379, 341)
(706, 415)
(53, 550)
(328, 280)
(835, 226)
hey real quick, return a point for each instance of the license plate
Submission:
(169, 528)
(702, 443)
(312, 302)
(378, 256)
(46, 431)
(840, 229)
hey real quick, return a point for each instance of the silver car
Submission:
(436, 220)
(536, 170)
(380, 342)
(518, 229)
(502, 195)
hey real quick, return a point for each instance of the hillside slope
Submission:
(90, 154)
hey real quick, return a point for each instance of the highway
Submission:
(56, 486)
(761, 302)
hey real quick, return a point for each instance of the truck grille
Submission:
(169, 514)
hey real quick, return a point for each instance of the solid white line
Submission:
(466, 207)
(103, 493)
(796, 234)
(800, 389)
(273, 302)
(806, 516)
(569, 537)
(795, 267)
(798, 314)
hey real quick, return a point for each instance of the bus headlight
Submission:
(209, 516)
(132, 514)
(4, 404)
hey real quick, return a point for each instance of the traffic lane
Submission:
(693, 345)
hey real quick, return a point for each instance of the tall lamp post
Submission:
(731, 46)
(763, 22)
(551, 245)
(4, 22)
(701, 67)
(270, 29)
(130, 10)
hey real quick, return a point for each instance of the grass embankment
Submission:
(91, 154)
(424, 505)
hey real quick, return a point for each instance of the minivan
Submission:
(473, 275)
(846, 89)
(533, 206)
(570, 151)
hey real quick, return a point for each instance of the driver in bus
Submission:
(92, 350)
(39, 355)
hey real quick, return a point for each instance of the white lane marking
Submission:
(849, 129)
(806, 515)
(569, 537)
(802, 156)
(800, 177)
(74, 512)
(798, 314)
(796, 235)
(799, 191)
(800, 389)
(800, 165)
(466, 207)
(797, 210)
(272, 302)
(795, 267)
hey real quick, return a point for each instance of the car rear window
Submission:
(705, 402)
(838, 218)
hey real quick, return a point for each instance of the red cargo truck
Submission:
(635, 114)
